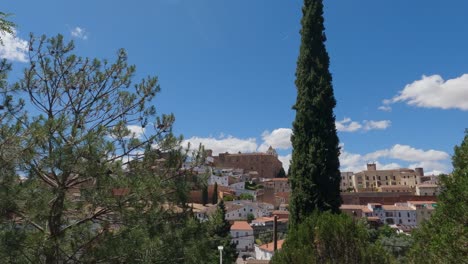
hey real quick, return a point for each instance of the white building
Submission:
(220, 180)
(243, 236)
(399, 214)
(240, 209)
(265, 251)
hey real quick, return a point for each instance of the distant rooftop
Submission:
(241, 225)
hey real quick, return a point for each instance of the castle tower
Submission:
(272, 151)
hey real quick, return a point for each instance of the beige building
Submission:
(373, 178)
(396, 188)
(346, 181)
(266, 164)
(280, 185)
(426, 189)
(424, 210)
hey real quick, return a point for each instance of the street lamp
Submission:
(220, 248)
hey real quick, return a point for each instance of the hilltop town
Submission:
(254, 193)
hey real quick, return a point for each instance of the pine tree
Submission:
(219, 229)
(94, 191)
(315, 175)
(444, 238)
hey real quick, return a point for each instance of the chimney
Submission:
(371, 166)
(419, 171)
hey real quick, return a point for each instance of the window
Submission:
(246, 233)
(408, 215)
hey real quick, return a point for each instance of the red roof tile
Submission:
(269, 246)
(241, 225)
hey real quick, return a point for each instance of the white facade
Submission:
(237, 186)
(427, 190)
(399, 215)
(262, 254)
(242, 236)
(239, 210)
(220, 180)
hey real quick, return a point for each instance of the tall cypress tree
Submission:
(315, 176)
(214, 199)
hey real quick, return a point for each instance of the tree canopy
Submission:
(444, 238)
(315, 176)
(89, 172)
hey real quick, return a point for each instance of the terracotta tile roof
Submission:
(395, 187)
(422, 202)
(233, 207)
(397, 208)
(352, 206)
(278, 212)
(366, 209)
(282, 194)
(264, 219)
(241, 225)
(426, 185)
(280, 179)
(269, 246)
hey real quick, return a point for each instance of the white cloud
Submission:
(79, 32)
(286, 161)
(371, 125)
(279, 139)
(408, 153)
(13, 47)
(136, 131)
(226, 144)
(385, 108)
(430, 160)
(431, 167)
(400, 155)
(434, 92)
(348, 125)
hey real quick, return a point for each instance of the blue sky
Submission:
(226, 69)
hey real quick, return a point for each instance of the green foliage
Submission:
(281, 173)
(214, 199)
(246, 196)
(204, 195)
(228, 198)
(94, 191)
(267, 237)
(6, 26)
(444, 238)
(219, 233)
(250, 217)
(252, 186)
(315, 176)
(330, 238)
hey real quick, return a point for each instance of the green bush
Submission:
(330, 238)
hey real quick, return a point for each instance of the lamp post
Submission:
(220, 248)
